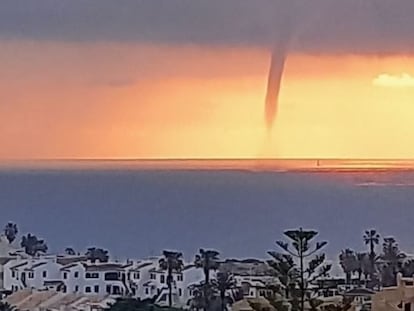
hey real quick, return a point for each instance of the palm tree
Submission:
(172, 263)
(207, 260)
(10, 231)
(360, 269)
(391, 252)
(392, 261)
(364, 267)
(97, 254)
(5, 306)
(225, 281)
(372, 238)
(32, 245)
(349, 263)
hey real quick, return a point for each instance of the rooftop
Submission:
(104, 267)
(360, 292)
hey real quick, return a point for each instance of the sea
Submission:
(137, 208)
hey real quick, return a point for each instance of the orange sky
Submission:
(123, 100)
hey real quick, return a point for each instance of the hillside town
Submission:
(296, 276)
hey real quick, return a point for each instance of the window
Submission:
(87, 289)
(108, 289)
(162, 278)
(44, 274)
(31, 275)
(89, 275)
(76, 288)
(180, 292)
(65, 275)
(116, 290)
(76, 274)
(146, 291)
(96, 288)
(13, 274)
(111, 276)
(180, 277)
(153, 276)
(136, 275)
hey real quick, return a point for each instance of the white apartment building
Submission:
(139, 279)
(30, 273)
(95, 278)
(147, 280)
(75, 275)
(7, 252)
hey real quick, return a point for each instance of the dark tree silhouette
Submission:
(172, 263)
(390, 261)
(97, 254)
(349, 263)
(225, 281)
(70, 251)
(5, 306)
(372, 239)
(32, 245)
(302, 249)
(207, 260)
(10, 231)
(131, 304)
(407, 268)
(286, 271)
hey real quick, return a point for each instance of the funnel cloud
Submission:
(282, 27)
(283, 34)
(277, 65)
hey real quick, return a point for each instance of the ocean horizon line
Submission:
(242, 164)
(123, 159)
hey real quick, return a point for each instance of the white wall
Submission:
(76, 281)
(80, 283)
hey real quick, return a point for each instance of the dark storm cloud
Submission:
(181, 21)
(360, 26)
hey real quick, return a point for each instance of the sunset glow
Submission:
(104, 100)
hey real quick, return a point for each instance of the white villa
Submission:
(76, 275)
(255, 287)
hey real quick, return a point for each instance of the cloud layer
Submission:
(399, 81)
(331, 26)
